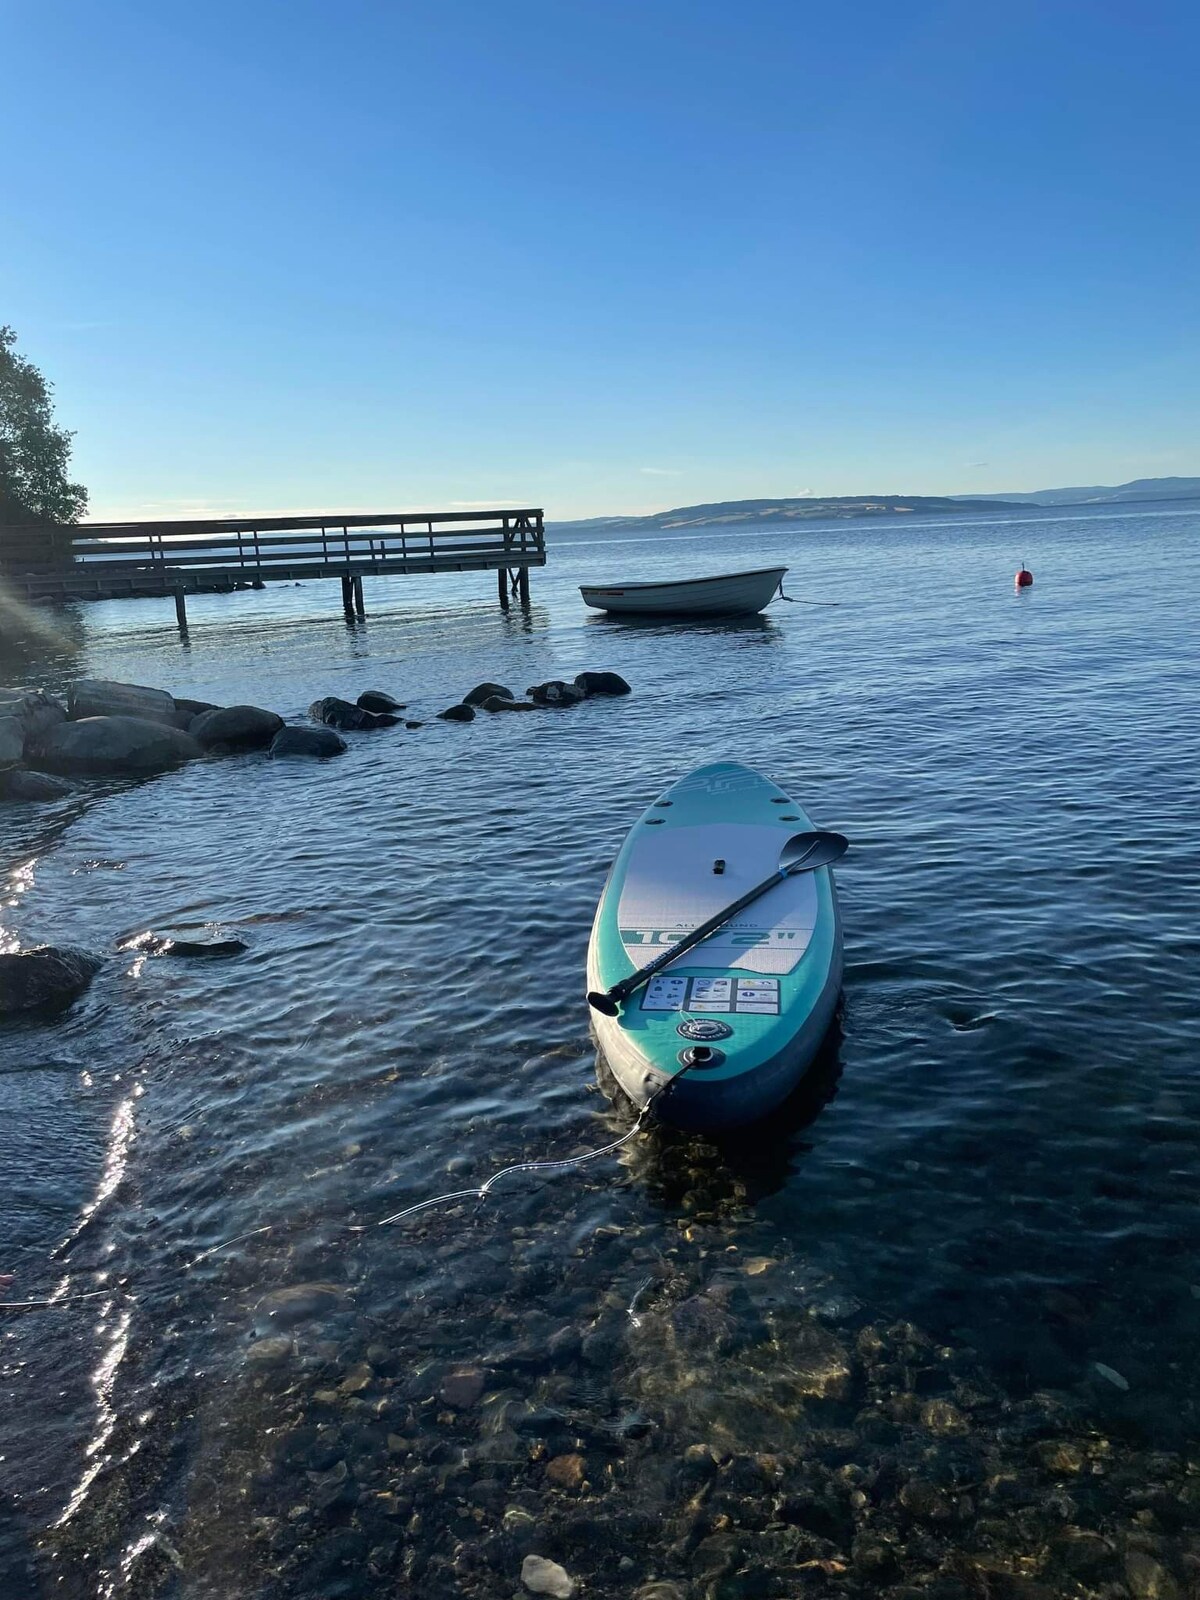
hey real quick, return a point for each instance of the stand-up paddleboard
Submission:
(738, 1019)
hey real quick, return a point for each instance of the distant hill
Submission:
(743, 513)
(1099, 494)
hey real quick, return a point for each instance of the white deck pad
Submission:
(670, 888)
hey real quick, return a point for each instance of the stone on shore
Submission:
(546, 1577)
(235, 728)
(336, 713)
(319, 742)
(46, 975)
(114, 745)
(590, 683)
(97, 697)
(487, 691)
(18, 783)
(193, 708)
(378, 700)
(12, 741)
(459, 713)
(555, 693)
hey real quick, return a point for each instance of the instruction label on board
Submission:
(755, 997)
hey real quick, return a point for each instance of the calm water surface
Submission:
(932, 1332)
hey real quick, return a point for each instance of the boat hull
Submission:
(769, 981)
(729, 594)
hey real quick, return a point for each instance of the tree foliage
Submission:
(34, 454)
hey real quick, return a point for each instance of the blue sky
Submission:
(598, 255)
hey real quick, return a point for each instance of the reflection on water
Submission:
(928, 1333)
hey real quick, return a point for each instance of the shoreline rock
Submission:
(320, 743)
(500, 702)
(486, 691)
(590, 683)
(101, 746)
(99, 697)
(338, 713)
(555, 693)
(377, 700)
(45, 975)
(20, 784)
(235, 728)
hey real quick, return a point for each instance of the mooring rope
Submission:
(793, 601)
(478, 1194)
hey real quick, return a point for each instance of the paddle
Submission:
(804, 852)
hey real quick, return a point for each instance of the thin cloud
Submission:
(662, 472)
(970, 465)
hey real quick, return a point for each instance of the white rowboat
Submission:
(729, 594)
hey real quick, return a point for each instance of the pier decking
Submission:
(114, 560)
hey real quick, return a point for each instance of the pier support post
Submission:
(360, 609)
(181, 610)
(523, 586)
(502, 584)
(347, 594)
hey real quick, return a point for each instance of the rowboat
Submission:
(720, 1036)
(728, 594)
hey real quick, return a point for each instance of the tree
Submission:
(34, 454)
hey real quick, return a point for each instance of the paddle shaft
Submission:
(635, 980)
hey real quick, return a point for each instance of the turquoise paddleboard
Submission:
(746, 1010)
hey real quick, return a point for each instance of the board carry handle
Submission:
(804, 852)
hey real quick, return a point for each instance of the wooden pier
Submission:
(121, 560)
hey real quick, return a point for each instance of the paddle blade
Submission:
(602, 1003)
(805, 852)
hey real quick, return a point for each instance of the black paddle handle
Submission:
(608, 1001)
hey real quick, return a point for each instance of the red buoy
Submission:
(1024, 577)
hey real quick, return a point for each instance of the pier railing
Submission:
(110, 559)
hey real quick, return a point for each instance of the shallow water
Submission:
(931, 1332)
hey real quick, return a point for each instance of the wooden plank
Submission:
(193, 557)
(216, 526)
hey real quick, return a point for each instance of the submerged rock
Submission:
(462, 1389)
(546, 1577)
(1111, 1375)
(1148, 1579)
(43, 976)
(20, 784)
(189, 942)
(459, 713)
(497, 702)
(300, 1302)
(555, 693)
(269, 1352)
(486, 691)
(132, 746)
(235, 728)
(590, 683)
(378, 700)
(337, 713)
(99, 697)
(566, 1472)
(319, 742)
(925, 1501)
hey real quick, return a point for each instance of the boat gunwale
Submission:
(677, 583)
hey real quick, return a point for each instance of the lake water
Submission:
(931, 1332)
